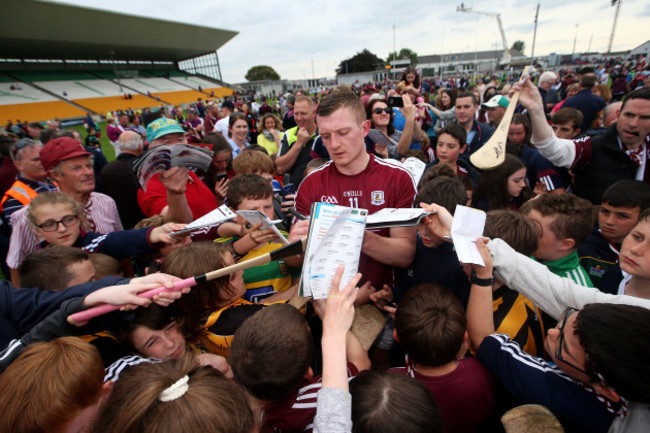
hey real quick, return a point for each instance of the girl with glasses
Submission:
(58, 219)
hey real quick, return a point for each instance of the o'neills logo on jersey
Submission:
(377, 198)
(353, 194)
(329, 199)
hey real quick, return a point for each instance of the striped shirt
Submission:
(101, 212)
(569, 267)
(112, 372)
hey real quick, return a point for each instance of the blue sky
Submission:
(291, 35)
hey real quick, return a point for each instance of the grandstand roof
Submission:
(43, 29)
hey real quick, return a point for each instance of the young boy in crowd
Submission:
(513, 313)
(253, 192)
(452, 143)
(566, 123)
(621, 205)
(429, 249)
(56, 268)
(430, 324)
(565, 221)
(270, 357)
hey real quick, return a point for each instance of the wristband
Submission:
(482, 281)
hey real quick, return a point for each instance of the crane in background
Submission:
(462, 8)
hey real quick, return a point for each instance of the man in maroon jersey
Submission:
(355, 178)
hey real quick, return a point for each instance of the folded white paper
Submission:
(255, 216)
(468, 225)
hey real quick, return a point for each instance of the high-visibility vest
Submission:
(21, 192)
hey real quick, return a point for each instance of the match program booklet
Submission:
(335, 238)
(166, 156)
(255, 216)
(216, 217)
(396, 217)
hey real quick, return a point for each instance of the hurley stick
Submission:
(293, 249)
(493, 153)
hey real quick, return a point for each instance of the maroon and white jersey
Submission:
(383, 184)
(296, 413)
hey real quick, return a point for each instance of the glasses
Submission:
(386, 110)
(51, 226)
(560, 340)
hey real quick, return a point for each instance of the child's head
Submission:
(313, 165)
(564, 220)
(384, 402)
(196, 259)
(567, 122)
(430, 325)
(153, 333)
(179, 396)
(515, 229)
(271, 352)
(451, 143)
(52, 386)
(251, 161)
(441, 169)
(445, 192)
(251, 192)
(56, 218)
(520, 130)
(106, 266)
(56, 268)
(634, 257)
(622, 203)
(504, 184)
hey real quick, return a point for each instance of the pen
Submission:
(297, 214)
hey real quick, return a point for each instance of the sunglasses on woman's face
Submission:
(386, 110)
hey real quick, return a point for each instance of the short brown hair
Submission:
(247, 186)
(384, 402)
(106, 265)
(196, 259)
(48, 268)
(47, 386)
(573, 215)
(455, 131)
(568, 115)
(211, 403)
(430, 324)
(251, 161)
(515, 229)
(443, 191)
(441, 169)
(271, 352)
(337, 100)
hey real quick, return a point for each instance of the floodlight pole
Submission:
(611, 37)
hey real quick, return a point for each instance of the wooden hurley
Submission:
(493, 153)
(293, 249)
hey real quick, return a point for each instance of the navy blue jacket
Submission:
(22, 309)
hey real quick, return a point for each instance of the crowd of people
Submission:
(549, 332)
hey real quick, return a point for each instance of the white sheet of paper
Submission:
(254, 217)
(416, 167)
(468, 225)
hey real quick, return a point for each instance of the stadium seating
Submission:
(39, 111)
(97, 91)
(112, 103)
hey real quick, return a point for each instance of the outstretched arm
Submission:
(480, 320)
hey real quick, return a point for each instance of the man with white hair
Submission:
(545, 85)
(118, 181)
